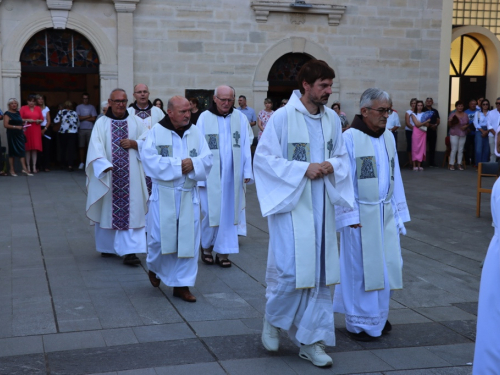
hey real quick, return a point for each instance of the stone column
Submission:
(125, 30)
(11, 88)
(444, 73)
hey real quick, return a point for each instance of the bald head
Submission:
(224, 98)
(179, 111)
(141, 95)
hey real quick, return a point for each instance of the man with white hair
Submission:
(117, 193)
(222, 196)
(176, 155)
(370, 252)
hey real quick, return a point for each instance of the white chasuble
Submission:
(176, 236)
(302, 214)
(148, 117)
(379, 241)
(116, 199)
(211, 130)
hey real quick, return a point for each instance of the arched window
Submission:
(59, 50)
(468, 66)
(467, 57)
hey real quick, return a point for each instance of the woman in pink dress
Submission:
(419, 137)
(32, 117)
(265, 115)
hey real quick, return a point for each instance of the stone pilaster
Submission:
(125, 39)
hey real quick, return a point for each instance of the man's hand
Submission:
(246, 180)
(355, 226)
(327, 168)
(187, 166)
(128, 143)
(107, 170)
(315, 171)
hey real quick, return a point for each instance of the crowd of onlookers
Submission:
(32, 135)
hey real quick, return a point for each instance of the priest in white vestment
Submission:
(176, 156)
(223, 195)
(487, 350)
(143, 109)
(117, 193)
(301, 172)
(145, 112)
(370, 252)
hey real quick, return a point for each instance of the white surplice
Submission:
(224, 238)
(172, 270)
(487, 351)
(149, 117)
(306, 314)
(99, 206)
(366, 311)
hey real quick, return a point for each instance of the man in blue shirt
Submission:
(250, 113)
(469, 149)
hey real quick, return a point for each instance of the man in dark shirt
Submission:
(432, 132)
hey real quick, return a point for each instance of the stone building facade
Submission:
(401, 46)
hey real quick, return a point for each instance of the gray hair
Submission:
(104, 104)
(12, 100)
(117, 89)
(232, 88)
(372, 94)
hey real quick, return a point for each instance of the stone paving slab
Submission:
(66, 310)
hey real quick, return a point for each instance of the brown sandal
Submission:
(224, 263)
(207, 258)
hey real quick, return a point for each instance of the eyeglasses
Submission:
(497, 103)
(225, 100)
(125, 101)
(488, 104)
(382, 111)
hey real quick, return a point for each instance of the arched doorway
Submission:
(60, 64)
(468, 67)
(282, 76)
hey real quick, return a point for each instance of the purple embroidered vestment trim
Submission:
(120, 176)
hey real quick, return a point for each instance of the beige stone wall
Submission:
(391, 44)
(199, 44)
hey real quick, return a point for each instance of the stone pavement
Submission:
(66, 310)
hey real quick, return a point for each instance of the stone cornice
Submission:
(263, 8)
(59, 4)
(126, 6)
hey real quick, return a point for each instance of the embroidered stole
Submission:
(176, 236)
(120, 176)
(379, 241)
(302, 215)
(213, 181)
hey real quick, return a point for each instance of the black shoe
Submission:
(362, 336)
(433, 165)
(131, 260)
(387, 328)
(107, 255)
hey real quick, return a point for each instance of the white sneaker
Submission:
(316, 354)
(270, 336)
(81, 166)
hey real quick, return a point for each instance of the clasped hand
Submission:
(128, 143)
(187, 166)
(319, 170)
